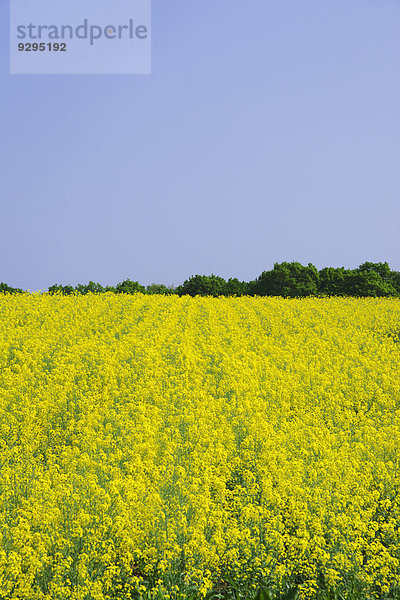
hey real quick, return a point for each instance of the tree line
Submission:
(287, 279)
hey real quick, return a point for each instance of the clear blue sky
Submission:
(268, 131)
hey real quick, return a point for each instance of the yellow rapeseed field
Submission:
(152, 445)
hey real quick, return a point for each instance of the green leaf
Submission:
(290, 594)
(263, 594)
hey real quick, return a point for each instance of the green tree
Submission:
(203, 285)
(395, 280)
(234, 287)
(382, 269)
(252, 287)
(289, 280)
(7, 289)
(159, 288)
(66, 290)
(129, 287)
(364, 283)
(332, 281)
(95, 288)
(55, 288)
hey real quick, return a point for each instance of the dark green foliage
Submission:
(129, 287)
(376, 279)
(263, 594)
(382, 269)
(289, 280)
(203, 285)
(332, 281)
(364, 283)
(6, 289)
(159, 288)
(370, 279)
(55, 288)
(395, 280)
(66, 290)
(234, 287)
(93, 287)
(212, 285)
(252, 287)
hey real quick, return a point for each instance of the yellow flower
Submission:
(191, 438)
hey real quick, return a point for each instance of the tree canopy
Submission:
(287, 279)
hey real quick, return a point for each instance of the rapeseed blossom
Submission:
(151, 445)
